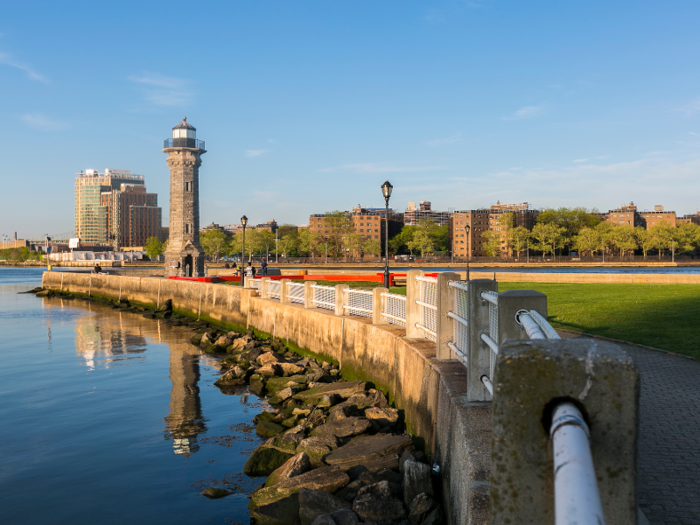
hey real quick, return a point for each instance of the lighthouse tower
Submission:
(184, 256)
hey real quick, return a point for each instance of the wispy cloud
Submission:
(580, 160)
(43, 123)
(446, 140)
(256, 152)
(694, 134)
(271, 141)
(434, 16)
(7, 60)
(525, 112)
(164, 91)
(379, 168)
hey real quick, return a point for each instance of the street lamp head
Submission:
(244, 221)
(386, 190)
(467, 228)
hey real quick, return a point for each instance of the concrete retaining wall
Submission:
(430, 392)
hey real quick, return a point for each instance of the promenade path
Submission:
(669, 436)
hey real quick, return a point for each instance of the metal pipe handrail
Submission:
(458, 285)
(432, 280)
(491, 297)
(348, 307)
(394, 296)
(458, 318)
(532, 329)
(487, 383)
(455, 349)
(426, 305)
(426, 330)
(490, 342)
(322, 287)
(393, 317)
(547, 328)
(576, 494)
(364, 292)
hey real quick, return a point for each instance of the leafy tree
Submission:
(399, 243)
(662, 234)
(587, 241)
(624, 239)
(422, 241)
(520, 237)
(492, 246)
(605, 236)
(687, 237)
(506, 223)
(309, 242)
(549, 237)
(373, 247)
(289, 244)
(441, 237)
(572, 220)
(645, 240)
(262, 241)
(154, 248)
(214, 243)
(339, 225)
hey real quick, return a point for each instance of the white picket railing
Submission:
(295, 293)
(394, 309)
(358, 302)
(324, 296)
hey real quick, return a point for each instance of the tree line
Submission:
(565, 230)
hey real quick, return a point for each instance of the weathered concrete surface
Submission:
(529, 375)
(668, 467)
(428, 392)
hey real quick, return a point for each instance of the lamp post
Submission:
(386, 191)
(244, 222)
(277, 251)
(466, 231)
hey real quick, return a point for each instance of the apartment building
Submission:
(413, 215)
(629, 215)
(367, 222)
(483, 220)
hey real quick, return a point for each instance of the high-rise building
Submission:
(184, 256)
(133, 215)
(630, 216)
(92, 212)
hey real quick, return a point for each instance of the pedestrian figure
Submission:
(249, 271)
(263, 267)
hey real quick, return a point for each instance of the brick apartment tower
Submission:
(184, 256)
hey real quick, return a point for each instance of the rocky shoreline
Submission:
(336, 453)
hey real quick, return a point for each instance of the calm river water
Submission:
(110, 418)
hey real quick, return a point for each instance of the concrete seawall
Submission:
(430, 392)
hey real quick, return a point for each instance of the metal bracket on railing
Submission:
(535, 325)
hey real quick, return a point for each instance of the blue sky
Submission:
(309, 106)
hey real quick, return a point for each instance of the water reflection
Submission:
(110, 337)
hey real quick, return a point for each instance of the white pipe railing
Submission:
(576, 494)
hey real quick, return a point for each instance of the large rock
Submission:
(270, 357)
(224, 341)
(317, 447)
(326, 479)
(416, 480)
(284, 511)
(233, 376)
(376, 503)
(290, 369)
(315, 503)
(238, 345)
(339, 517)
(265, 460)
(344, 390)
(348, 427)
(369, 450)
(214, 493)
(270, 369)
(268, 429)
(278, 383)
(419, 508)
(342, 411)
(383, 416)
(294, 466)
(284, 394)
(206, 340)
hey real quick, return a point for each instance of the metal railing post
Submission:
(284, 290)
(445, 324)
(412, 309)
(264, 292)
(340, 298)
(378, 305)
(309, 294)
(479, 354)
(509, 304)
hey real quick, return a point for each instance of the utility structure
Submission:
(184, 256)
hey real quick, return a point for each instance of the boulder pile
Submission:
(336, 453)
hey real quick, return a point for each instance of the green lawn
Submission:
(665, 316)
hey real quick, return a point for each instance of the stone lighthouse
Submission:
(184, 256)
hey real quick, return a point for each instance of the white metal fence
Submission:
(427, 303)
(324, 296)
(394, 309)
(274, 290)
(460, 328)
(358, 302)
(295, 292)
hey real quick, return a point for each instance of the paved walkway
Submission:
(669, 437)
